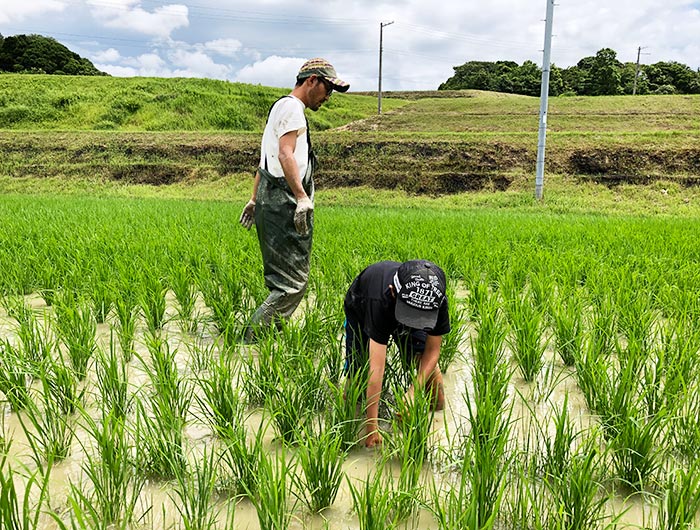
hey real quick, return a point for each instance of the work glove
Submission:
(305, 208)
(248, 215)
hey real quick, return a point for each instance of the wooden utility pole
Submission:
(381, 49)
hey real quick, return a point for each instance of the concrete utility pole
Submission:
(544, 99)
(636, 71)
(381, 49)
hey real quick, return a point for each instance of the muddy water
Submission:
(157, 498)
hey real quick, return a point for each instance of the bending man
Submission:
(405, 302)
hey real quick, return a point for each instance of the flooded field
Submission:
(129, 400)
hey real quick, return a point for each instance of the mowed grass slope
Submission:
(473, 111)
(41, 102)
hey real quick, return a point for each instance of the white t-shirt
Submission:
(286, 115)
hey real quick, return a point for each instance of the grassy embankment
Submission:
(201, 138)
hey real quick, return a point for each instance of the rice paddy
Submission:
(130, 402)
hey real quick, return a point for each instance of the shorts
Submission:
(410, 343)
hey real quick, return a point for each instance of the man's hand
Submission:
(301, 215)
(248, 215)
(373, 438)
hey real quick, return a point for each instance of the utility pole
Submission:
(636, 70)
(544, 100)
(381, 49)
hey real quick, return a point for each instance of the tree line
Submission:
(36, 54)
(599, 75)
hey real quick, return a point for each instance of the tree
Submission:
(601, 74)
(677, 75)
(527, 79)
(34, 53)
(556, 81)
(605, 74)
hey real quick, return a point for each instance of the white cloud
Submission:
(197, 64)
(107, 56)
(147, 64)
(272, 71)
(225, 47)
(118, 71)
(19, 10)
(129, 15)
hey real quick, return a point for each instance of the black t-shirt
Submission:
(369, 302)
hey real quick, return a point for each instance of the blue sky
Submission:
(265, 41)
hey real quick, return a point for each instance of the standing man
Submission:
(405, 302)
(281, 206)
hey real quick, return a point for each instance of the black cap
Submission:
(420, 291)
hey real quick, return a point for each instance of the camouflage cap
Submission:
(323, 68)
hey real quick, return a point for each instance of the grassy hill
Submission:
(40, 102)
(169, 131)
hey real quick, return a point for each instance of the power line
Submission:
(211, 13)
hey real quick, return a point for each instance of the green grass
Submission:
(153, 104)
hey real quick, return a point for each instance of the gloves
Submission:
(248, 215)
(301, 215)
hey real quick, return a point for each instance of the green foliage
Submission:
(599, 75)
(38, 54)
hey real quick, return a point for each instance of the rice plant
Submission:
(289, 405)
(221, 285)
(60, 385)
(320, 456)
(171, 391)
(239, 460)
(15, 376)
(48, 430)
(201, 354)
(679, 499)
(271, 498)
(35, 341)
(76, 327)
(115, 483)
(159, 442)
(636, 316)
(22, 510)
(345, 410)
(371, 501)
(159, 434)
(526, 340)
(412, 425)
(182, 282)
(603, 323)
(573, 470)
(152, 301)
(194, 491)
(261, 373)
(220, 399)
(566, 314)
(456, 505)
(685, 430)
(126, 310)
(101, 292)
(484, 453)
(112, 380)
(451, 342)
(637, 449)
(526, 502)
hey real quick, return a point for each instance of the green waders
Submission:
(285, 252)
